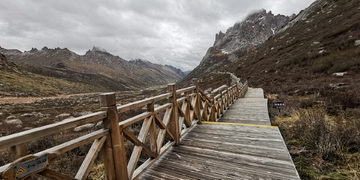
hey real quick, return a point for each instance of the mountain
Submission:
(254, 30)
(96, 68)
(312, 64)
(178, 71)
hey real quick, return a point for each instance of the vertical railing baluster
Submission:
(198, 105)
(174, 120)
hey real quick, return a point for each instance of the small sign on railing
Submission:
(29, 167)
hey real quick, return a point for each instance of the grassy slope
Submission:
(29, 84)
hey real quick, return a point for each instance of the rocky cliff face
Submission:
(4, 63)
(245, 35)
(254, 30)
(95, 67)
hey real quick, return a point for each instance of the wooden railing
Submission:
(179, 116)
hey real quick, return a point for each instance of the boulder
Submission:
(339, 74)
(27, 115)
(13, 121)
(11, 117)
(357, 42)
(62, 116)
(84, 127)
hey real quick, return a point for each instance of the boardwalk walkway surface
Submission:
(241, 145)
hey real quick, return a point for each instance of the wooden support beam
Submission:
(136, 142)
(162, 126)
(174, 120)
(137, 149)
(108, 103)
(213, 113)
(90, 158)
(152, 131)
(162, 132)
(198, 100)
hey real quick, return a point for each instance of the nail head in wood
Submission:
(107, 99)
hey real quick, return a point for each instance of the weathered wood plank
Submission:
(90, 158)
(137, 104)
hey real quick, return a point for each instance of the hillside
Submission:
(313, 65)
(15, 81)
(252, 31)
(97, 68)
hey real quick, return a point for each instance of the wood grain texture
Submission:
(90, 158)
(229, 151)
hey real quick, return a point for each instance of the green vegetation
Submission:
(29, 84)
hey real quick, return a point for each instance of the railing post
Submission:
(213, 114)
(237, 90)
(198, 100)
(174, 120)
(152, 130)
(221, 108)
(117, 146)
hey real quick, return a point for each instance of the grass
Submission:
(322, 145)
(29, 84)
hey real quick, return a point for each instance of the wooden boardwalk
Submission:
(241, 145)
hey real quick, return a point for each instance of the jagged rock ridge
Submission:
(254, 30)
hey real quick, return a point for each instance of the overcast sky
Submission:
(176, 32)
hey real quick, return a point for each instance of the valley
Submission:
(309, 61)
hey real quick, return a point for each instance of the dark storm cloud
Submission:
(175, 32)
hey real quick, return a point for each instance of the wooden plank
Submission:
(32, 134)
(152, 134)
(186, 113)
(219, 89)
(137, 104)
(137, 149)
(90, 158)
(142, 116)
(174, 118)
(162, 132)
(137, 142)
(185, 89)
(55, 175)
(149, 162)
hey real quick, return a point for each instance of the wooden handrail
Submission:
(181, 114)
(137, 104)
(29, 135)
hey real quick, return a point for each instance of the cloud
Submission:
(176, 32)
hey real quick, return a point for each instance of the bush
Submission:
(327, 135)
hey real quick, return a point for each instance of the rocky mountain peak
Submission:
(254, 30)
